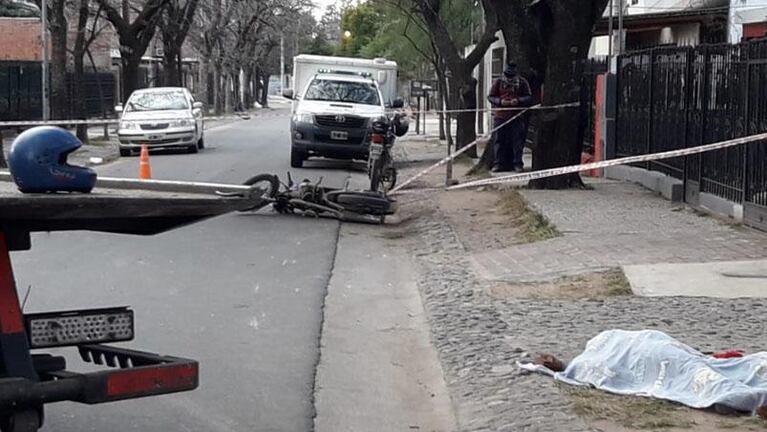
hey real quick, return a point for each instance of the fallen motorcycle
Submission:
(313, 199)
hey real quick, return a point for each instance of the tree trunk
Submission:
(217, 88)
(561, 145)
(227, 92)
(78, 96)
(465, 98)
(444, 103)
(58, 83)
(171, 71)
(78, 76)
(131, 73)
(203, 90)
(441, 97)
(265, 90)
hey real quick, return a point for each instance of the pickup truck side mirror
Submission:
(197, 105)
(118, 108)
(397, 103)
(288, 94)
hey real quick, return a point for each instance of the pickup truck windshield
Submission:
(343, 91)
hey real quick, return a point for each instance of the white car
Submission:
(162, 117)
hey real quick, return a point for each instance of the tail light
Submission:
(377, 139)
(79, 327)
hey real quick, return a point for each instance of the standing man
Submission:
(509, 91)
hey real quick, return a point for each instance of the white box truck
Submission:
(334, 100)
(383, 71)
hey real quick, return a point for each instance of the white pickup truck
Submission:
(335, 103)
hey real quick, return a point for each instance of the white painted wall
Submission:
(744, 12)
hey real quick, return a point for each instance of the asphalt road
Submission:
(242, 293)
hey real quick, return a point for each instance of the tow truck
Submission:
(28, 379)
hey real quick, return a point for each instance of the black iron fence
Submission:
(678, 97)
(21, 93)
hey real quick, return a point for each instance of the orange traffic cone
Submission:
(144, 170)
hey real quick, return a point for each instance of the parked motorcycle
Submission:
(381, 171)
(312, 199)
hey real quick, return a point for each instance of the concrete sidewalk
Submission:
(731, 279)
(618, 224)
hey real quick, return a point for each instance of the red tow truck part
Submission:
(29, 381)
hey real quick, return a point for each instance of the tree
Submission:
(445, 22)
(84, 38)
(208, 35)
(176, 22)
(550, 40)
(329, 26)
(134, 36)
(236, 37)
(359, 25)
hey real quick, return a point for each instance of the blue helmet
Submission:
(38, 162)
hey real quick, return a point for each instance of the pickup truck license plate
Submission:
(339, 135)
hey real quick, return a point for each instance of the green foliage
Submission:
(359, 25)
(401, 35)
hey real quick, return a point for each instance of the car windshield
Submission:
(343, 91)
(158, 101)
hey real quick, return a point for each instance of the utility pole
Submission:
(610, 33)
(44, 34)
(282, 62)
(621, 40)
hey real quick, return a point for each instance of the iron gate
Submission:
(678, 97)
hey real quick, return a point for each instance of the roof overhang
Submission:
(641, 22)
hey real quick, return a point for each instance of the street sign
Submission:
(422, 88)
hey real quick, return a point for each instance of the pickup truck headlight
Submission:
(181, 123)
(129, 125)
(304, 118)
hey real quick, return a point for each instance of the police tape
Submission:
(553, 172)
(537, 107)
(463, 150)
(102, 122)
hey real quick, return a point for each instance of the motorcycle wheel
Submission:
(375, 174)
(370, 203)
(269, 183)
(389, 179)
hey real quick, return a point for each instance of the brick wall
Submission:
(20, 39)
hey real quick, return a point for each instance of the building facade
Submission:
(747, 20)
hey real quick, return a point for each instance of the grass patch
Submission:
(611, 283)
(616, 284)
(629, 411)
(756, 421)
(533, 226)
